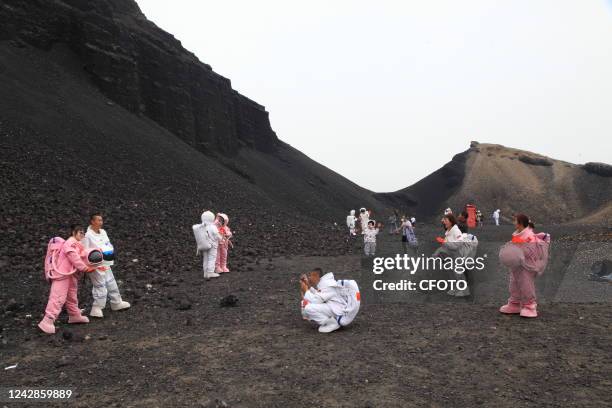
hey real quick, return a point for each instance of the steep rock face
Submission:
(136, 66)
(144, 69)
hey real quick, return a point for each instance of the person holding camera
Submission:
(327, 302)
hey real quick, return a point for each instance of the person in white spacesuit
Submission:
(327, 302)
(102, 279)
(364, 217)
(207, 238)
(496, 216)
(350, 222)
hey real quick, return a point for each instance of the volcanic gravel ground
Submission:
(177, 346)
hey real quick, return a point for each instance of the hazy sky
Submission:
(386, 92)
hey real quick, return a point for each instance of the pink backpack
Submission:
(58, 265)
(54, 249)
(533, 256)
(541, 249)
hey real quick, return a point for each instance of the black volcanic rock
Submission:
(229, 301)
(183, 304)
(601, 169)
(144, 69)
(141, 68)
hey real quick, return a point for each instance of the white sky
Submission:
(386, 92)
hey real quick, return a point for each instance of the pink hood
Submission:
(526, 235)
(225, 229)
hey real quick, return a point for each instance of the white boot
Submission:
(96, 311)
(329, 325)
(119, 306)
(211, 275)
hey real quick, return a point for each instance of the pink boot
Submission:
(511, 308)
(78, 319)
(222, 258)
(529, 310)
(46, 325)
(218, 266)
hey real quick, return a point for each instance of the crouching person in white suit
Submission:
(328, 302)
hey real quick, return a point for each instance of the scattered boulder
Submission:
(72, 336)
(183, 304)
(229, 301)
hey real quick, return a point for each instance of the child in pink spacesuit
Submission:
(63, 264)
(222, 222)
(526, 257)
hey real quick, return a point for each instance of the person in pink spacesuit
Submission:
(526, 257)
(222, 222)
(64, 263)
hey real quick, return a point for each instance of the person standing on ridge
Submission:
(496, 217)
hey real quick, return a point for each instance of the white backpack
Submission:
(349, 290)
(202, 237)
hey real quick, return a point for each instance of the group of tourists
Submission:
(358, 224)
(328, 302)
(369, 228)
(89, 252)
(478, 217)
(213, 240)
(525, 256)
